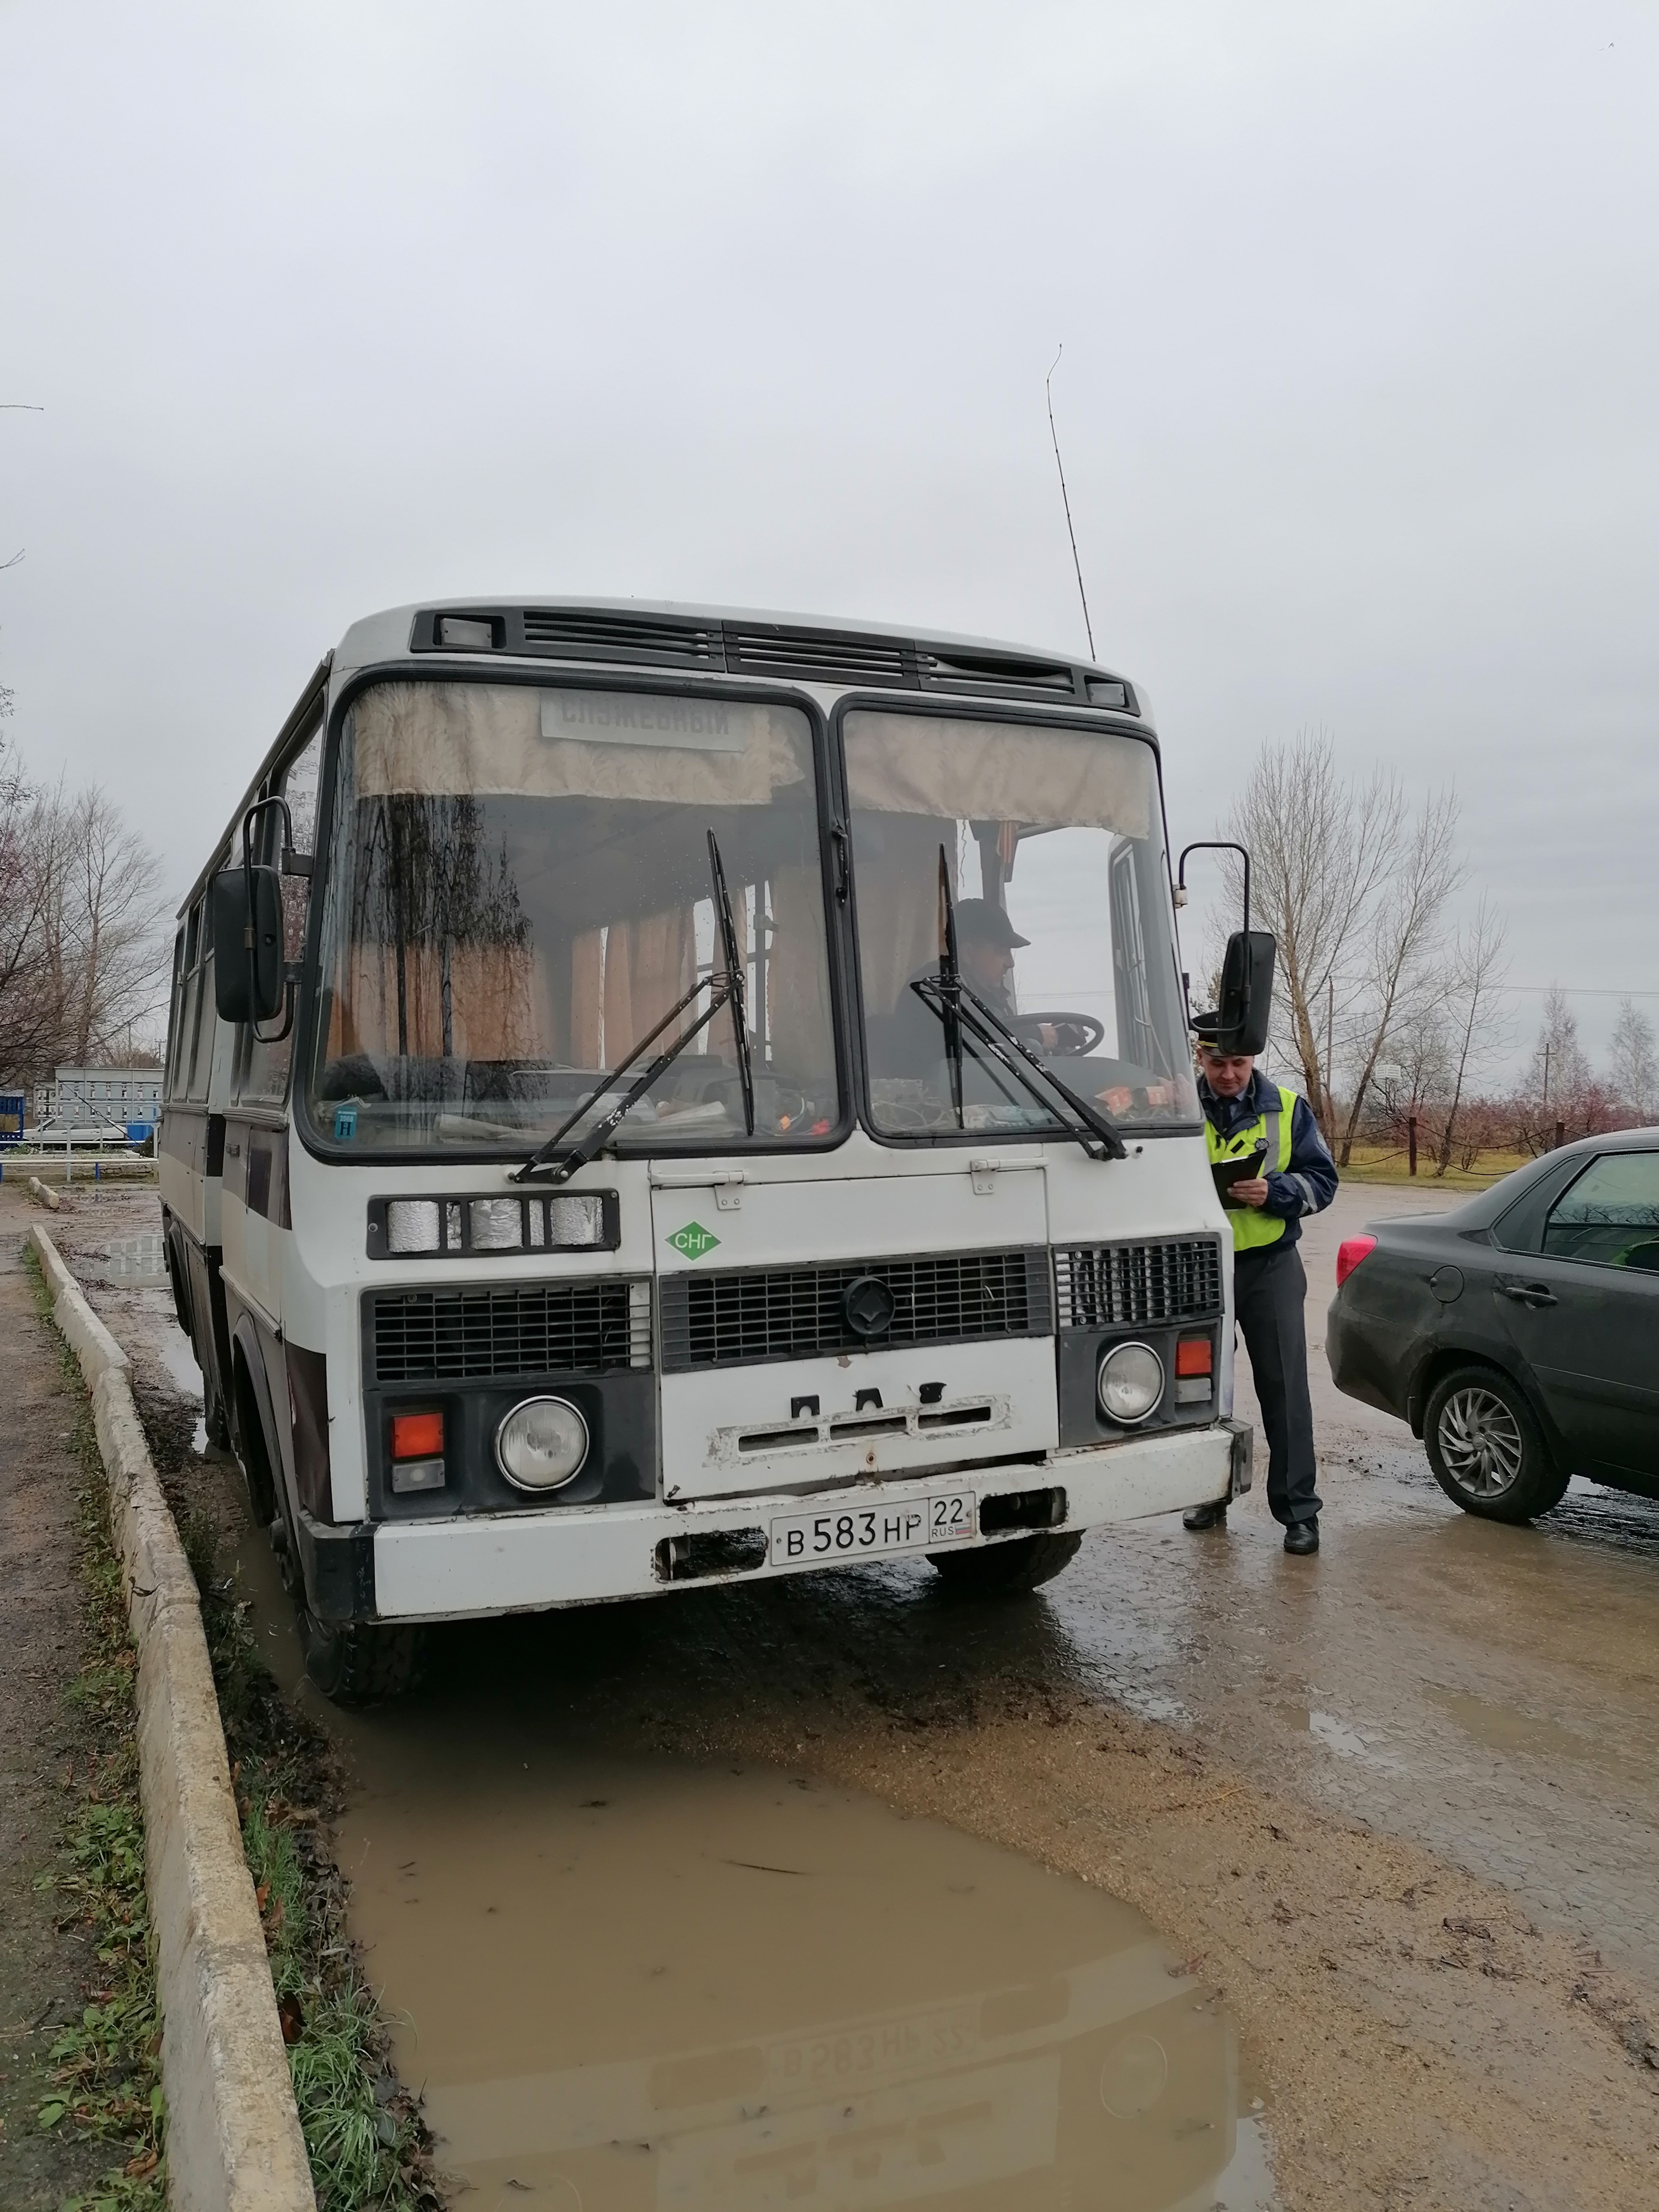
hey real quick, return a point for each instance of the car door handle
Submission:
(1528, 1294)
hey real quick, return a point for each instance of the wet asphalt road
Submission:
(1488, 1691)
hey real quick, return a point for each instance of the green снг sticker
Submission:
(694, 1240)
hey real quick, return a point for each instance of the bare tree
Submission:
(1323, 853)
(112, 923)
(1403, 993)
(1479, 964)
(28, 995)
(1560, 1091)
(81, 948)
(1634, 1065)
(1559, 1065)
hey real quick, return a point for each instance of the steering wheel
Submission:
(1074, 1034)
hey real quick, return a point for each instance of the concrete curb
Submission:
(37, 1190)
(234, 2141)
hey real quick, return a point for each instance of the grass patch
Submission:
(363, 2131)
(366, 2141)
(1379, 1164)
(104, 2077)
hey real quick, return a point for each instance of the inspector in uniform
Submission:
(1243, 1109)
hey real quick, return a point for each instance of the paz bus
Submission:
(659, 1095)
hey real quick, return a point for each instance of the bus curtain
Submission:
(585, 1004)
(448, 739)
(504, 1005)
(952, 770)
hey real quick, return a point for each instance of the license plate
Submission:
(866, 1532)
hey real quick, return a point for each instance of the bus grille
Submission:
(626, 638)
(825, 657)
(581, 634)
(1133, 1285)
(800, 1313)
(554, 1329)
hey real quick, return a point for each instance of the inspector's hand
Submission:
(1250, 1194)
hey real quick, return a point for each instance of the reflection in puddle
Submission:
(1502, 1728)
(1336, 1736)
(650, 1983)
(138, 1259)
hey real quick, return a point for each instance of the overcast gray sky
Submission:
(334, 308)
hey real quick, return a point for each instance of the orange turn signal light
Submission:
(417, 1436)
(1194, 1355)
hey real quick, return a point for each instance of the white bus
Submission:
(659, 1096)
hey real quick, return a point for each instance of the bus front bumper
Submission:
(531, 1562)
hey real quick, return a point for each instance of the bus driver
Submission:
(985, 944)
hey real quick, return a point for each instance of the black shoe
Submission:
(1206, 1516)
(1302, 1537)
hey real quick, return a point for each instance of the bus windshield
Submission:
(518, 891)
(1053, 847)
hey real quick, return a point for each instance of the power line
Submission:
(1589, 991)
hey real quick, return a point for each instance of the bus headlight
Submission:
(1131, 1383)
(542, 1444)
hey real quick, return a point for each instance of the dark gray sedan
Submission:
(1519, 1334)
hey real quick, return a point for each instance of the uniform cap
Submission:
(978, 917)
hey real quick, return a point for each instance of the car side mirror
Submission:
(247, 943)
(1246, 1002)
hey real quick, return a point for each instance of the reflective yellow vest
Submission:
(1252, 1225)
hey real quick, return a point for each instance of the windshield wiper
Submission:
(960, 1008)
(734, 982)
(725, 988)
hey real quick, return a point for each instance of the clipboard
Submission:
(1246, 1170)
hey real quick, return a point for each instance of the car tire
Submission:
(1486, 1448)
(1005, 1570)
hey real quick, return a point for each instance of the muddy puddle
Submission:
(636, 1981)
(622, 1981)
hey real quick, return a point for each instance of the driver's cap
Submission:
(978, 917)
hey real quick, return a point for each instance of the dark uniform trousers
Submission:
(1270, 1290)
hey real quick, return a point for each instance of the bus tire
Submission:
(1005, 1570)
(356, 1662)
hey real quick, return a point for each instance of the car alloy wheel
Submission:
(1481, 1441)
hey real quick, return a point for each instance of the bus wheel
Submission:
(354, 1662)
(1005, 1570)
(216, 1421)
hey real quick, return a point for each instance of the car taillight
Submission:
(1349, 1254)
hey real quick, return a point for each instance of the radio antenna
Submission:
(1048, 386)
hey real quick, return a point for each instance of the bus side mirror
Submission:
(247, 944)
(1247, 992)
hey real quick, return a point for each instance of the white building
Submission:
(100, 1097)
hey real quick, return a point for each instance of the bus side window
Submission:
(175, 1017)
(263, 1068)
(1137, 1036)
(207, 1018)
(190, 1005)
